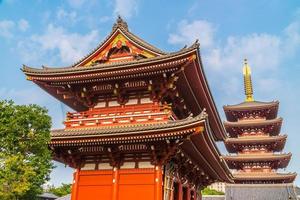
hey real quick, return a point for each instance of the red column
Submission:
(115, 183)
(180, 194)
(188, 194)
(158, 182)
(75, 184)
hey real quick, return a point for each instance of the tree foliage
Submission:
(207, 191)
(60, 191)
(25, 161)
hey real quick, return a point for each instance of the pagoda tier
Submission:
(145, 123)
(253, 127)
(272, 161)
(264, 177)
(260, 109)
(261, 144)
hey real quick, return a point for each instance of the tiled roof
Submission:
(257, 157)
(252, 105)
(58, 70)
(260, 192)
(265, 176)
(47, 196)
(126, 129)
(213, 197)
(247, 123)
(67, 197)
(259, 139)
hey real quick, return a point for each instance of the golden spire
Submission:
(247, 82)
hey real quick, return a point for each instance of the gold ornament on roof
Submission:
(247, 82)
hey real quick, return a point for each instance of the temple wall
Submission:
(127, 184)
(121, 184)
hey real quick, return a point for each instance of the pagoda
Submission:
(144, 124)
(254, 140)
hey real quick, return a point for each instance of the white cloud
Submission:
(63, 15)
(262, 50)
(188, 33)
(23, 25)
(57, 45)
(292, 40)
(126, 8)
(223, 60)
(6, 28)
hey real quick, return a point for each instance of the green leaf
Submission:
(25, 160)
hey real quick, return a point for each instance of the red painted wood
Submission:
(128, 184)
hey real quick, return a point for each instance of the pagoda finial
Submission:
(120, 23)
(247, 82)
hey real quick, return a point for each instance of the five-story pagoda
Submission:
(254, 141)
(145, 123)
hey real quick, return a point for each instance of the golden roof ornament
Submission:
(247, 82)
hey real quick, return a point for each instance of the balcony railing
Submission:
(119, 115)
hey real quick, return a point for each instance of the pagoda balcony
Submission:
(120, 115)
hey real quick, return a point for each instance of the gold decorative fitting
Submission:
(247, 82)
(193, 57)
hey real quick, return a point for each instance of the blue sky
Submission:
(58, 33)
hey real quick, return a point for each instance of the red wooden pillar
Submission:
(75, 184)
(180, 192)
(158, 182)
(188, 193)
(115, 183)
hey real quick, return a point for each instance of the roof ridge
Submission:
(28, 69)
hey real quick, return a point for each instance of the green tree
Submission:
(60, 191)
(207, 191)
(25, 161)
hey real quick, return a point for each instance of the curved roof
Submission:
(206, 156)
(263, 176)
(273, 125)
(67, 197)
(265, 191)
(186, 63)
(254, 139)
(246, 123)
(124, 130)
(277, 142)
(251, 105)
(231, 111)
(54, 71)
(281, 159)
(120, 27)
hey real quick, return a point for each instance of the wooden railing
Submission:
(119, 115)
